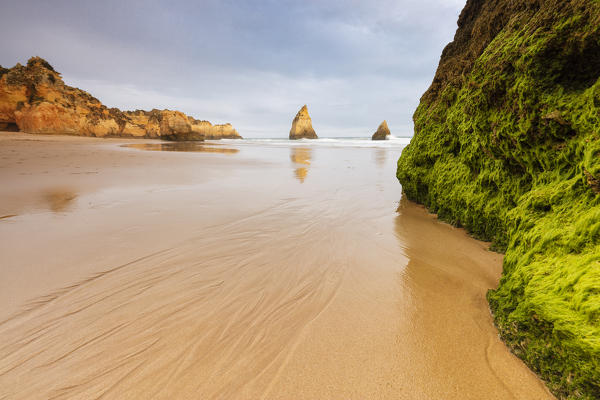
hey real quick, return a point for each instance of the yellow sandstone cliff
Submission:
(34, 99)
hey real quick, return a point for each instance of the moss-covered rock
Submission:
(507, 145)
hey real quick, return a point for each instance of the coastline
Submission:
(509, 150)
(280, 284)
(34, 99)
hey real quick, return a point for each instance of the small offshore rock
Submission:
(302, 126)
(382, 132)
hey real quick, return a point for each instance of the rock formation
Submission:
(224, 131)
(507, 145)
(302, 126)
(34, 99)
(382, 132)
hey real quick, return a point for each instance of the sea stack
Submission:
(382, 132)
(302, 126)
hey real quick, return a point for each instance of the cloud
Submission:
(251, 63)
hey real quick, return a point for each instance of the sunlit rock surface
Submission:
(34, 99)
(302, 126)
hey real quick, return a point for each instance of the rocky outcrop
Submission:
(34, 99)
(302, 126)
(507, 144)
(225, 131)
(382, 132)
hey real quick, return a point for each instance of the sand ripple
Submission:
(207, 319)
(269, 272)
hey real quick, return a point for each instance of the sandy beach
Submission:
(237, 270)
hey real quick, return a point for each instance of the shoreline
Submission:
(241, 274)
(512, 155)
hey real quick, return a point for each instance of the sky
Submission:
(251, 63)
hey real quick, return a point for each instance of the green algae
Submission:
(512, 153)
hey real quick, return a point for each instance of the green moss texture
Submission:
(507, 145)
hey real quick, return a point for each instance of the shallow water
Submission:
(274, 271)
(199, 147)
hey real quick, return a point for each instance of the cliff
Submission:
(382, 132)
(507, 145)
(34, 99)
(302, 126)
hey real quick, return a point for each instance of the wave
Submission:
(391, 142)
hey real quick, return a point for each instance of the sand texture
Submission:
(236, 271)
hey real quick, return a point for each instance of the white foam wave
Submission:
(391, 142)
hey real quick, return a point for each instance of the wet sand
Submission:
(236, 270)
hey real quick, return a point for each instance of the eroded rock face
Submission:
(213, 132)
(34, 99)
(382, 132)
(302, 126)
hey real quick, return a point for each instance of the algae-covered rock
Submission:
(34, 99)
(382, 132)
(507, 144)
(302, 126)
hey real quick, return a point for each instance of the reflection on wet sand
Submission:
(301, 174)
(301, 155)
(448, 324)
(182, 146)
(59, 200)
(380, 156)
(193, 291)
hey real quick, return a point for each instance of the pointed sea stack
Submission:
(302, 126)
(382, 132)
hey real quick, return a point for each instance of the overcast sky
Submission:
(251, 63)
